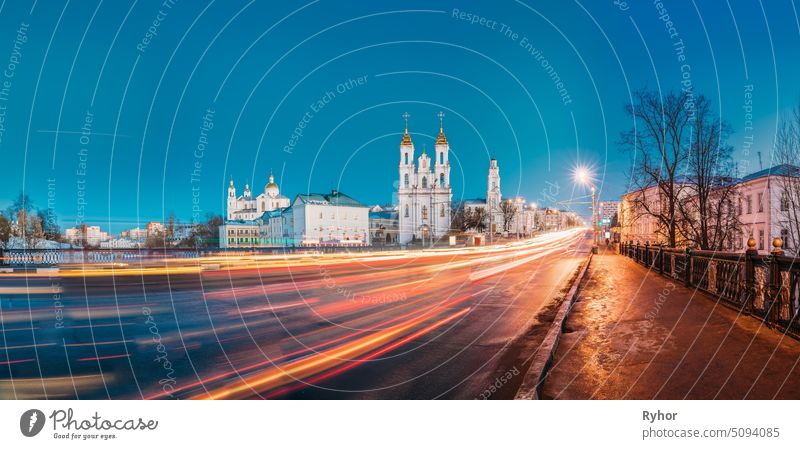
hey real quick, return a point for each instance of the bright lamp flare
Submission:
(583, 175)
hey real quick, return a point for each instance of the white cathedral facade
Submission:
(424, 193)
(247, 208)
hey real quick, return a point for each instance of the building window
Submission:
(784, 201)
(424, 182)
(748, 201)
(405, 180)
(441, 179)
(406, 158)
(424, 212)
(761, 239)
(441, 211)
(761, 202)
(405, 213)
(785, 238)
(441, 157)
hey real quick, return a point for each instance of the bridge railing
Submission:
(766, 286)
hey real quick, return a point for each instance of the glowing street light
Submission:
(584, 176)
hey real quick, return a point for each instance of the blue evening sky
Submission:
(347, 71)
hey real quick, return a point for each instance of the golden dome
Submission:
(441, 140)
(406, 137)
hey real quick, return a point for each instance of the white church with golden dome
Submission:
(246, 207)
(424, 193)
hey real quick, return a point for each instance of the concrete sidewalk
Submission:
(638, 335)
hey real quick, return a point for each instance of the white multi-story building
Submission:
(134, 234)
(90, 235)
(240, 234)
(316, 219)
(764, 208)
(247, 208)
(424, 193)
(606, 210)
(760, 204)
(155, 228)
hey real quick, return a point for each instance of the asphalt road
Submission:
(420, 324)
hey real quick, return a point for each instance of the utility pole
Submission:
(594, 222)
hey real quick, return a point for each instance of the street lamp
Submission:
(584, 176)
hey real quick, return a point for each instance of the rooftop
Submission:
(335, 198)
(778, 170)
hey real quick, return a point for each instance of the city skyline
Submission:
(365, 75)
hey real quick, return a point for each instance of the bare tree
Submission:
(657, 142)
(707, 217)
(34, 235)
(458, 217)
(5, 230)
(155, 240)
(203, 234)
(509, 211)
(787, 155)
(476, 219)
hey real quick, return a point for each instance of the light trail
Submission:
(264, 325)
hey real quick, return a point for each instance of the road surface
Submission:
(418, 324)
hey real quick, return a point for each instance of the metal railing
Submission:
(766, 286)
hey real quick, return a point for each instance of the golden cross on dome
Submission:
(406, 116)
(441, 121)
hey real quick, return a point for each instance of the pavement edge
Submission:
(535, 376)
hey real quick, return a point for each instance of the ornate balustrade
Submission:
(766, 286)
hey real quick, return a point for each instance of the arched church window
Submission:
(424, 182)
(405, 180)
(441, 157)
(406, 211)
(494, 185)
(424, 212)
(406, 160)
(441, 179)
(441, 211)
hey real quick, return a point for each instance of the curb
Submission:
(537, 372)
